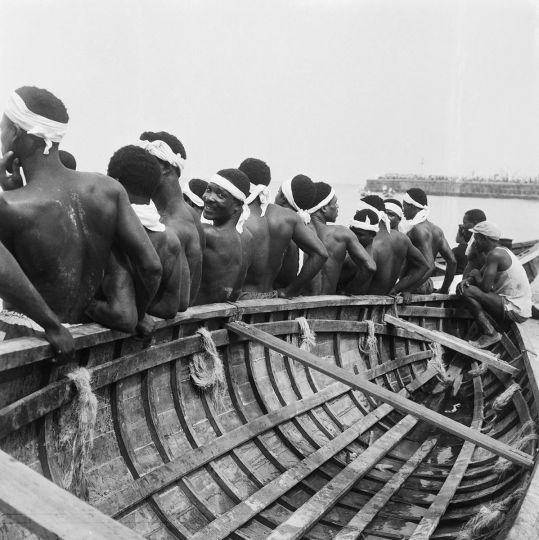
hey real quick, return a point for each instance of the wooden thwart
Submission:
(49, 511)
(454, 343)
(399, 402)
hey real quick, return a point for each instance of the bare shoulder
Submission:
(277, 214)
(173, 242)
(98, 181)
(341, 232)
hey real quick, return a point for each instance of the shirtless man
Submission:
(393, 209)
(390, 251)
(193, 192)
(273, 228)
(175, 212)
(228, 242)
(139, 173)
(429, 239)
(338, 240)
(500, 289)
(61, 226)
(474, 258)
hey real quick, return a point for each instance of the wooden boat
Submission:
(372, 431)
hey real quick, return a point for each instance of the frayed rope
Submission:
(308, 337)
(505, 398)
(436, 363)
(207, 371)
(78, 432)
(519, 441)
(370, 344)
(479, 370)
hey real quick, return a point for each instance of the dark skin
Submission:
(429, 239)
(185, 222)
(475, 258)
(476, 289)
(339, 242)
(226, 255)
(272, 235)
(390, 253)
(62, 225)
(394, 220)
(197, 210)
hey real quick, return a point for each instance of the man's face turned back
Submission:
(219, 204)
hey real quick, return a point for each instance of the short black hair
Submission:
(198, 186)
(68, 160)
(238, 178)
(394, 201)
(475, 215)
(418, 195)
(175, 145)
(322, 191)
(257, 170)
(360, 215)
(303, 191)
(374, 200)
(137, 170)
(44, 103)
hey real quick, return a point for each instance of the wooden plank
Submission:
(227, 523)
(399, 402)
(307, 515)
(436, 312)
(454, 343)
(361, 520)
(191, 460)
(49, 511)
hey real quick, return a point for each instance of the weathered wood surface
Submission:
(399, 402)
(47, 510)
(454, 343)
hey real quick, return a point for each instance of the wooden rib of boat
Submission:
(371, 432)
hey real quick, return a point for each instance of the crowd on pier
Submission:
(141, 242)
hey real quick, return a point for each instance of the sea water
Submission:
(518, 219)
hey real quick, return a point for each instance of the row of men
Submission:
(113, 248)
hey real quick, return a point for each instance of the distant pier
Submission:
(458, 187)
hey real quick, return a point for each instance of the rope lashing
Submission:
(436, 363)
(370, 344)
(308, 337)
(505, 397)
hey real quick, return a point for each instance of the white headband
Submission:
(149, 216)
(365, 225)
(322, 203)
(382, 216)
(395, 208)
(263, 193)
(193, 197)
(409, 200)
(162, 151)
(286, 188)
(227, 185)
(34, 124)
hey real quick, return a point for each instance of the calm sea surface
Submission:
(517, 218)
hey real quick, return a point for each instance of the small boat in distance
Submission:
(320, 417)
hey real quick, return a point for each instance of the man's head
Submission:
(34, 120)
(168, 150)
(297, 194)
(472, 218)
(137, 170)
(486, 236)
(225, 195)
(68, 160)
(193, 193)
(325, 202)
(394, 212)
(365, 225)
(375, 201)
(257, 171)
(414, 201)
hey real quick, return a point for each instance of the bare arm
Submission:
(289, 267)
(358, 253)
(416, 267)
(167, 299)
(117, 309)
(136, 245)
(485, 279)
(317, 256)
(451, 262)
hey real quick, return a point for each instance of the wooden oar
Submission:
(454, 343)
(399, 402)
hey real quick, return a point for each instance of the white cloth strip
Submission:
(263, 193)
(161, 150)
(365, 225)
(286, 188)
(323, 202)
(227, 185)
(413, 202)
(420, 217)
(149, 216)
(193, 197)
(395, 208)
(34, 124)
(382, 216)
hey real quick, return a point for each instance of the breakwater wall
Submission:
(502, 190)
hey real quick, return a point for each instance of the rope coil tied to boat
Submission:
(207, 370)
(436, 363)
(77, 432)
(308, 337)
(505, 397)
(525, 435)
(370, 344)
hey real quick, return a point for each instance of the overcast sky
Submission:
(338, 90)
